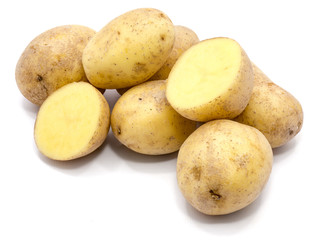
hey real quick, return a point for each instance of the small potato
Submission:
(144, 121)
(52, 60)
(272, 110)
(72, 122)
(129, 49)
(184, 39)
(223, 166)
(213, 79)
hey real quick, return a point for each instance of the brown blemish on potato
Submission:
(162, 36)
(118, 130)
(196, 172)
(214, 195)
(139, 67)
(39, 78)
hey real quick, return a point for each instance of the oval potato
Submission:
(223, 166)
(129, 49)
(145, 122)
(52, 60)
(272, 110)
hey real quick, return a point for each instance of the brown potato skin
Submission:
(51, 60)
(272, 110)
(223, 166)
(129, 49)
(145, 122)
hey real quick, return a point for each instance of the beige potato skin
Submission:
(52, 60)
(99, 135)
(129, 49)
(272, 110)
(223, 166)
(184, 39)
(228, 105)
(144, 121)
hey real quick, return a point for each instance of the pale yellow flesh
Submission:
(204, 72)
(67, 121)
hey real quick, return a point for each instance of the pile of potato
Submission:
(205, 99)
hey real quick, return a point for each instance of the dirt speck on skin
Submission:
(214, 195)
(162, 15)
(39, 78)
(118, 130)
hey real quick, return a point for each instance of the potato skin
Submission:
(52, 60)
(144, 121)
(272, 110)
(223, 166)
(184, 39)
(129, 49)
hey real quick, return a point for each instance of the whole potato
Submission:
(184, 39)
(129, 49)
(272, 110)
(145, 122)
(223, 166)
(52, 60)
(211, 80)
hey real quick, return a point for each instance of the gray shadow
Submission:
(285, 151)
(75, 166)
(223, 225)
(143, 162)
(30, 108)
(111, 96)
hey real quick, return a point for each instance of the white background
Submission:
(115, 193)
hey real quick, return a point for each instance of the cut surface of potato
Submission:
(213, 79)
(72, 122)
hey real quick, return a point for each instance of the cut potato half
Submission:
(211, 80)
(72, 122)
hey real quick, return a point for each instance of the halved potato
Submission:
(213, 79)
(72, 122)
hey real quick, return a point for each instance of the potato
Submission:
(72, 122)
(52, 60)
(129, 49)
(211, 80)
(272, 110)
(144, 121)
(184, 39)
(223, 166)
